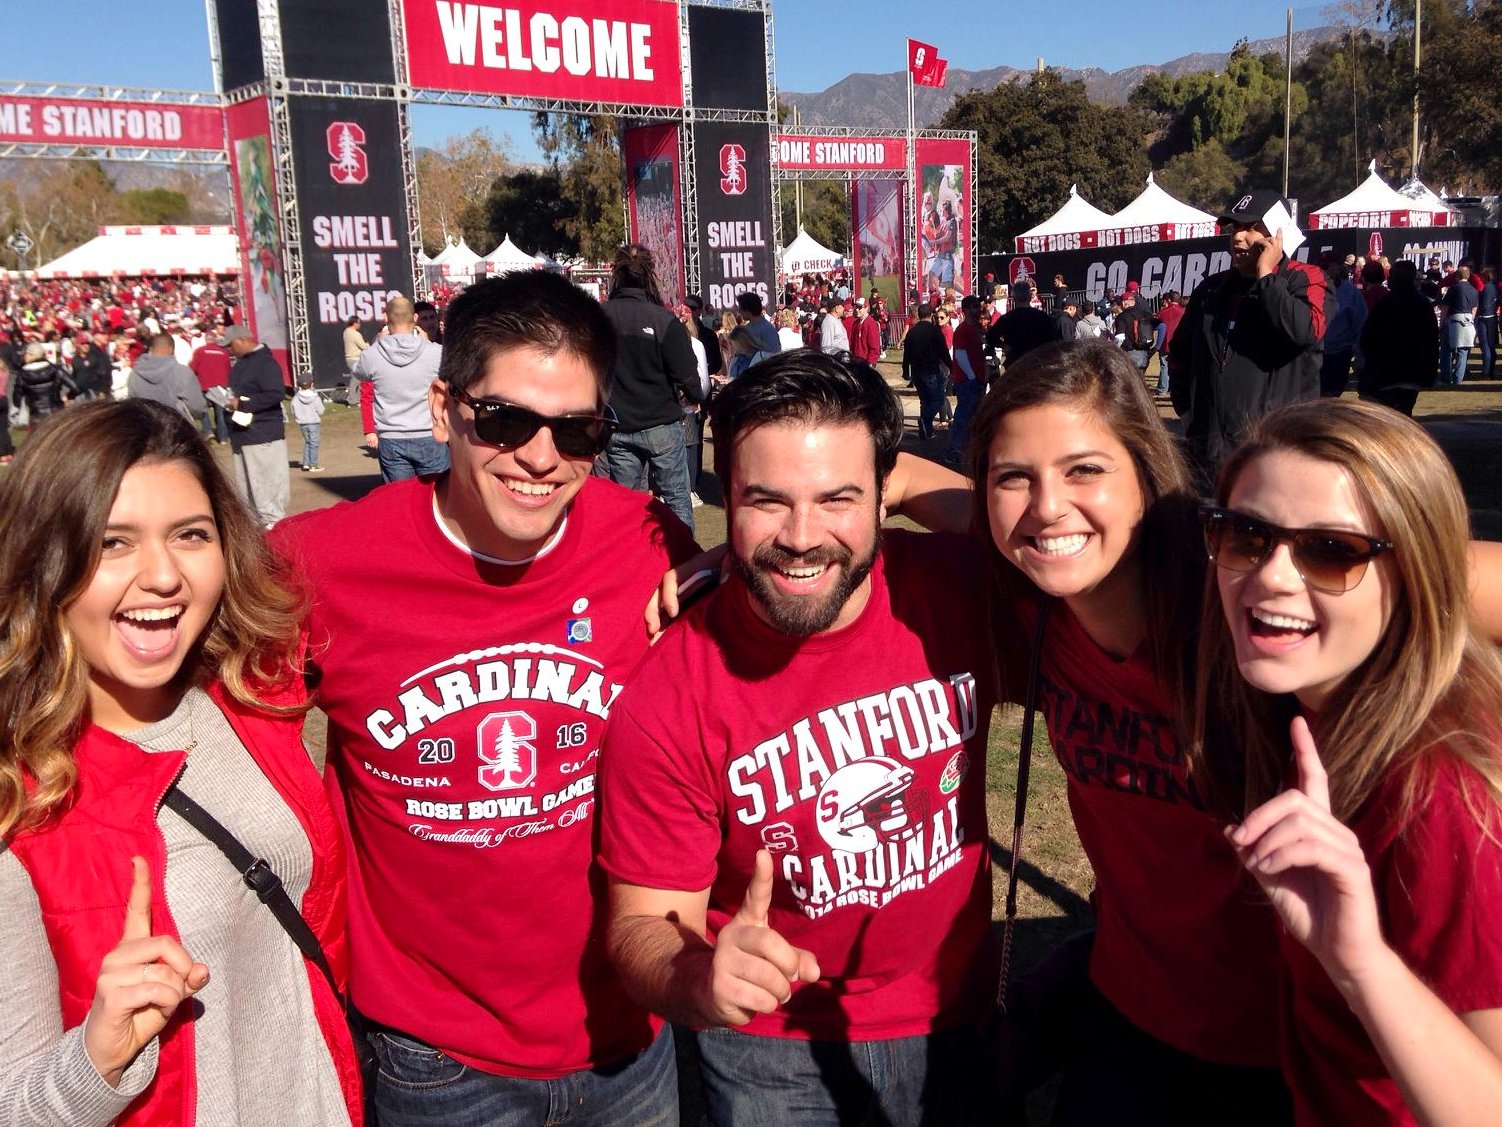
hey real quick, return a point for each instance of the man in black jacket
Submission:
(925, 365)
(258, 431)
(92, 372)
(1251, 338)
(654, 363)
(1400, 343)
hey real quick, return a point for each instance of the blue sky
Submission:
(165, 44)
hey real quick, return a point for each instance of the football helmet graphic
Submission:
(861, 804)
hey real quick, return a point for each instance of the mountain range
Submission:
(879, 101)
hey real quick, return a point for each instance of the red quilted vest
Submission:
(79, 864)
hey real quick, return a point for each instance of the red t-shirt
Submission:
(466, 702)
(858, 758)
(1439, 892)
(1186, 945)
(967, 338)
(211, 364)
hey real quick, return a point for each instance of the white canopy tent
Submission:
(806, 255)
(146, 251)
(1416, 190)
(458, 261)
(1076, 216)
(508, 257)
(1375, 204)
(1156, 208)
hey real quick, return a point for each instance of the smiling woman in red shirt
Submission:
(1337, 621)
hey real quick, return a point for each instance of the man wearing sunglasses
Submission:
(469, 634)
(1252, 337)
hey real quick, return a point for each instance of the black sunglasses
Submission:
(506, 425)
(1329, 560)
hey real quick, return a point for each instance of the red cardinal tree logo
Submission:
(347, 147)
(733, 170)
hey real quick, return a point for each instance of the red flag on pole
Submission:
(924, 64)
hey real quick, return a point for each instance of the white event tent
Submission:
(145, 251)
(1077, 216)
(508, 257)
(1375, 204)
(457, 260)
(1156, 208)
(806, 255)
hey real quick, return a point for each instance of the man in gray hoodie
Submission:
(159, 377)
(401, 365)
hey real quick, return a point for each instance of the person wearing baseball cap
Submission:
(1252, 336)
(258, 432)
(864, 332)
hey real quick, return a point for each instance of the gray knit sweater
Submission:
(258, 1054)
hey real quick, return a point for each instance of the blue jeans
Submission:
(1456, 364)
(215, 423)
(655, 458)
(1486, 337)
(967, 395)
(310, 436)
(930, 387)
(402, 458)
(418, 1086)
(938, 1079)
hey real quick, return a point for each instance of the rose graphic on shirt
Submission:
(508, 756)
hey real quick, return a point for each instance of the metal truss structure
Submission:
(781, 176)
(114, 152)
(772, 155)
(295, 281)
(688, 169)
(407, 145)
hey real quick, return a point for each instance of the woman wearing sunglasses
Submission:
(1336, 628)
(147, 641)
(1090, 514)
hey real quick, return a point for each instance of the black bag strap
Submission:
(1019, 810)
(258, 876)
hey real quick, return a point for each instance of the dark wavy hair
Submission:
(528, 308)
(806, 387)
(1098, 378)
(54, 505)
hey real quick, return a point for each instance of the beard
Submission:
(803, 615)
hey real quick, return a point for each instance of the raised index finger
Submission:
(758, 901)
(1311, 771)
(138, 907)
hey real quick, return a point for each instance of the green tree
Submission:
(826, 212)
(1039, 135)
(1207, 177)
(154, 206)
(529, 205)
(585, 153)
(451, 184)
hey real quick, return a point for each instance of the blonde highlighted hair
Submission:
(1430, 678)
(54, 505)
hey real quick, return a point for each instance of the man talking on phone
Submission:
(1251, 338)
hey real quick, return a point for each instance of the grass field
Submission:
(1055, 877)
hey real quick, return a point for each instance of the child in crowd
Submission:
(307, 410)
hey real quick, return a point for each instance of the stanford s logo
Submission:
(347, 147)
(1021, 268)
(508, 755)
(733, 170)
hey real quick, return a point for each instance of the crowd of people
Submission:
(545, 849)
